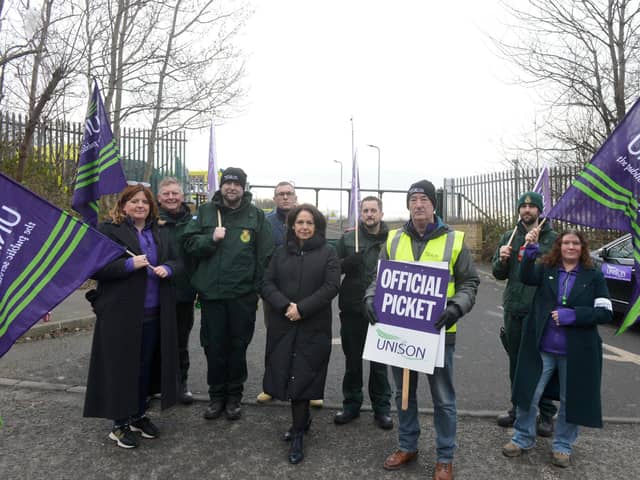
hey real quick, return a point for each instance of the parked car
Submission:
(616, 261)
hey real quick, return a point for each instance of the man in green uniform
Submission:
(517, 297)
(176, 215)
(359, 268)
(230, 242)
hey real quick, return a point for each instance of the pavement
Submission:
(43, 434)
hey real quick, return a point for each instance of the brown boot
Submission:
(399, 459)
(444, 471)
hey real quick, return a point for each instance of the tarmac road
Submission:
(43, 434)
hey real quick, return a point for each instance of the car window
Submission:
(621, 250)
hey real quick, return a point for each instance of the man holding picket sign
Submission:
(426, 238)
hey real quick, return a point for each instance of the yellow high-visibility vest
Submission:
(444, 248)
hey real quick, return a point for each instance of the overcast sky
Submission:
(418, 78)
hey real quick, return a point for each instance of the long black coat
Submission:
(297, 353)
(112, 385)
(584, 345)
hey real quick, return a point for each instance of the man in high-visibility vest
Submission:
(425, 237)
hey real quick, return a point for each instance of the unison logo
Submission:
(387, 342)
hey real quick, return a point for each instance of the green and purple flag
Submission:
(45, 255)
(543, 187)
(605, 193)
(99, 168)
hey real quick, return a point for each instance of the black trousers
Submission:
(353, 332)
(300, 414)
(184, 317)
(225, 333)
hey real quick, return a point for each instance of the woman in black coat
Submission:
(560, 350)
(134, 350)
(302, 279)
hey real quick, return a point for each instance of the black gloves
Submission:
(449, 317)
(353, 263)
(369, 310)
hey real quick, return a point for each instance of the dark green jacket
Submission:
(584, 345)
(235, 266)
(517, 296)
(175, 226)
(356, 280)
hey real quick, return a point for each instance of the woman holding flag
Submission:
(561, 351)
(134, 351)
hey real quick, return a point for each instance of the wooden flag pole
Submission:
(131, 254)
(219, 218)
(512, 235)
(405, 388)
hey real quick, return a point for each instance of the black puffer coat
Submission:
(297, 353)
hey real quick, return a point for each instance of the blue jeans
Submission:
(525, 425)
(444, 405)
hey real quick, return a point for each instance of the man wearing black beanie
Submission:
(230, 243)
(425, 237)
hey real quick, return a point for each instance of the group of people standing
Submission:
(230, 254)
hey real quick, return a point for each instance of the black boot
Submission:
(185, 396)
(296, 453)
(506, 420)
(544, 427)
(286, 436)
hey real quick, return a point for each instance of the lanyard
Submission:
(565, 287)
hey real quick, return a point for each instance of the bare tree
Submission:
(39, 78)
(193, 77)
(582, 57)
(165, 64)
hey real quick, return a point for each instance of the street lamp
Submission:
(339, 162)
(377, 148)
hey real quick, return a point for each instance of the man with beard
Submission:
(517, 297)
(176, 215)
(359, 268)
(231, 242)
(285, 199)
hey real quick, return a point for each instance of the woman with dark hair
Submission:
(134, 351)
(560, 351)
(302, 279)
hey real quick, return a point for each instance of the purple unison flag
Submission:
(45, 254)
(605, 193)
(543, 187)
(99, 168)
(212, 173)
(354, 198)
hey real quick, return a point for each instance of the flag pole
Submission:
(515, 229)
(405, 388)
(219, 218)
(357, 245)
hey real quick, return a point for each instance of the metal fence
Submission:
(492, 198)
(56, 145)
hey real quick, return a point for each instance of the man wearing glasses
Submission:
(285, 199)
